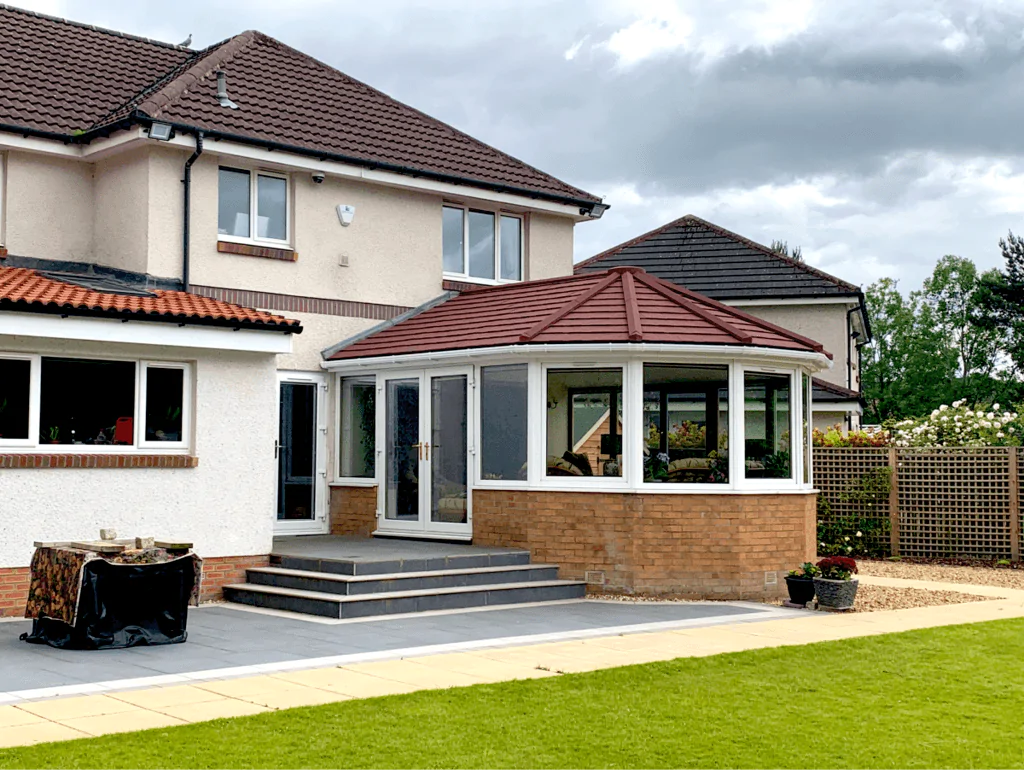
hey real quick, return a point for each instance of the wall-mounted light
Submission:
(160, 131)
(346, 214)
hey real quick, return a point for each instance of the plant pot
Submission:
(801, 589)
(835, 594)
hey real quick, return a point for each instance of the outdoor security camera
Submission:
(318, 177)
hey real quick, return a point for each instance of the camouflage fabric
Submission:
(57, 574)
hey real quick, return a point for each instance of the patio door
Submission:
(301, 454)
(425, 419)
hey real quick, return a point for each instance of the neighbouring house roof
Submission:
(718, 263)
(828, 392)
(619, 305)
(78, 81)
(31, 291)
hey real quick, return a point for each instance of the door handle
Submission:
(426, 446)
(418, 446)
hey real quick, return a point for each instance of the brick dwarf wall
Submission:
(217, 573)
(353, 511)
(692, 545)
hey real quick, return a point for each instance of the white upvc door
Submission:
(301, 452)
(425, 442)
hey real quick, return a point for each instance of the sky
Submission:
(877, 136)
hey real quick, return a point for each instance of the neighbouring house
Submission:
(488, 415)
(149, 196)
(718, 263)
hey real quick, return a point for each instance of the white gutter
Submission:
(599, 351)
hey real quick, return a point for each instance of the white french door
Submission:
(425, 441)
(301, 452)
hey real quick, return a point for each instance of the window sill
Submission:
(284, 254)
(353, 482)
(474, 283)
(23, 460)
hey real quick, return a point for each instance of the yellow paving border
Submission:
(59, 719)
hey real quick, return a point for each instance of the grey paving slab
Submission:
(364, 549)
(222, 637)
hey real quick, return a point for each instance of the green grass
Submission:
(946, 697)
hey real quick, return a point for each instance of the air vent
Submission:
(594, 577)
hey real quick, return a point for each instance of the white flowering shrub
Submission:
(960, 425)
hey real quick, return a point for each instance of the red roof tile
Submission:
(624, 304)
(25, 290)
(64, 77)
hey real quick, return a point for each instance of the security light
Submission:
(160, 131)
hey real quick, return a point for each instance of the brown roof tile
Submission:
(26, 290)
(64, 77)
(618, 305)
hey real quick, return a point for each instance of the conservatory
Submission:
(641, 436)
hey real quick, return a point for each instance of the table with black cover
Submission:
(88, 596)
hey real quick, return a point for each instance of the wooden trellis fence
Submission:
(924, 502)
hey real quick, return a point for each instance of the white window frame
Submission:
(339, 479)
(186, 406)
(795, 416)
(33, 402)
(139, 444)
(627, 471)
(464, 276)
(253, 238)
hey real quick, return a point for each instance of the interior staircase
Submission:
(348, 588)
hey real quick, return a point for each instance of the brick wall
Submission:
(699, 546)
(353, 511)
(217, 573)
(13, 591)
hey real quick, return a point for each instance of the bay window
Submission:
(767, 438)
(357, 427)
(481, 245)
(584, 422)
(252, 206)
(686, 424)
(76, 404)
(503, 422)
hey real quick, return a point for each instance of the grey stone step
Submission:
(327, 582)
(390, 566)
(365, 605)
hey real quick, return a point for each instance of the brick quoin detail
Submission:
(692, 545)
(218, 571)
(353, 511)
(22, 461)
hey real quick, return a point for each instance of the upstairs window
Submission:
(252, 206)
(482, 245)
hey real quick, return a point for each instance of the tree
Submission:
(955, 295)
(1001, 298)
(782, 247)
(908, 368)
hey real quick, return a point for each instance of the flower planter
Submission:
(801, 589)
(835, 594)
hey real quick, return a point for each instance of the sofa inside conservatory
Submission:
(641, 436)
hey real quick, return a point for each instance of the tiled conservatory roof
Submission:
(623, 304)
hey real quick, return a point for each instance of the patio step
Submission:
(333, 605)
(364, 566)
(332, 583)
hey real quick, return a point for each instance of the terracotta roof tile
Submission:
(618, 305)
(26, 290)
(64, 77)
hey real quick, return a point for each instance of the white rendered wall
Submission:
(225, 506)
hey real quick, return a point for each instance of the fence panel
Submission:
(954, 502)
(851, 497)
(943, 502)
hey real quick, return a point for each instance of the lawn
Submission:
(946, 697)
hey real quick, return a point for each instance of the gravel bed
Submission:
(980, 575)
(876, 598)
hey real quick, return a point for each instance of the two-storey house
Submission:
(169, 220)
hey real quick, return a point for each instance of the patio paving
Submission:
(222, 638)
(697, 630)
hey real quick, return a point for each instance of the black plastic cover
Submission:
(124, 605)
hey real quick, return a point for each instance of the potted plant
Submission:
(800, 583)
(53, 435)
(835, 586)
